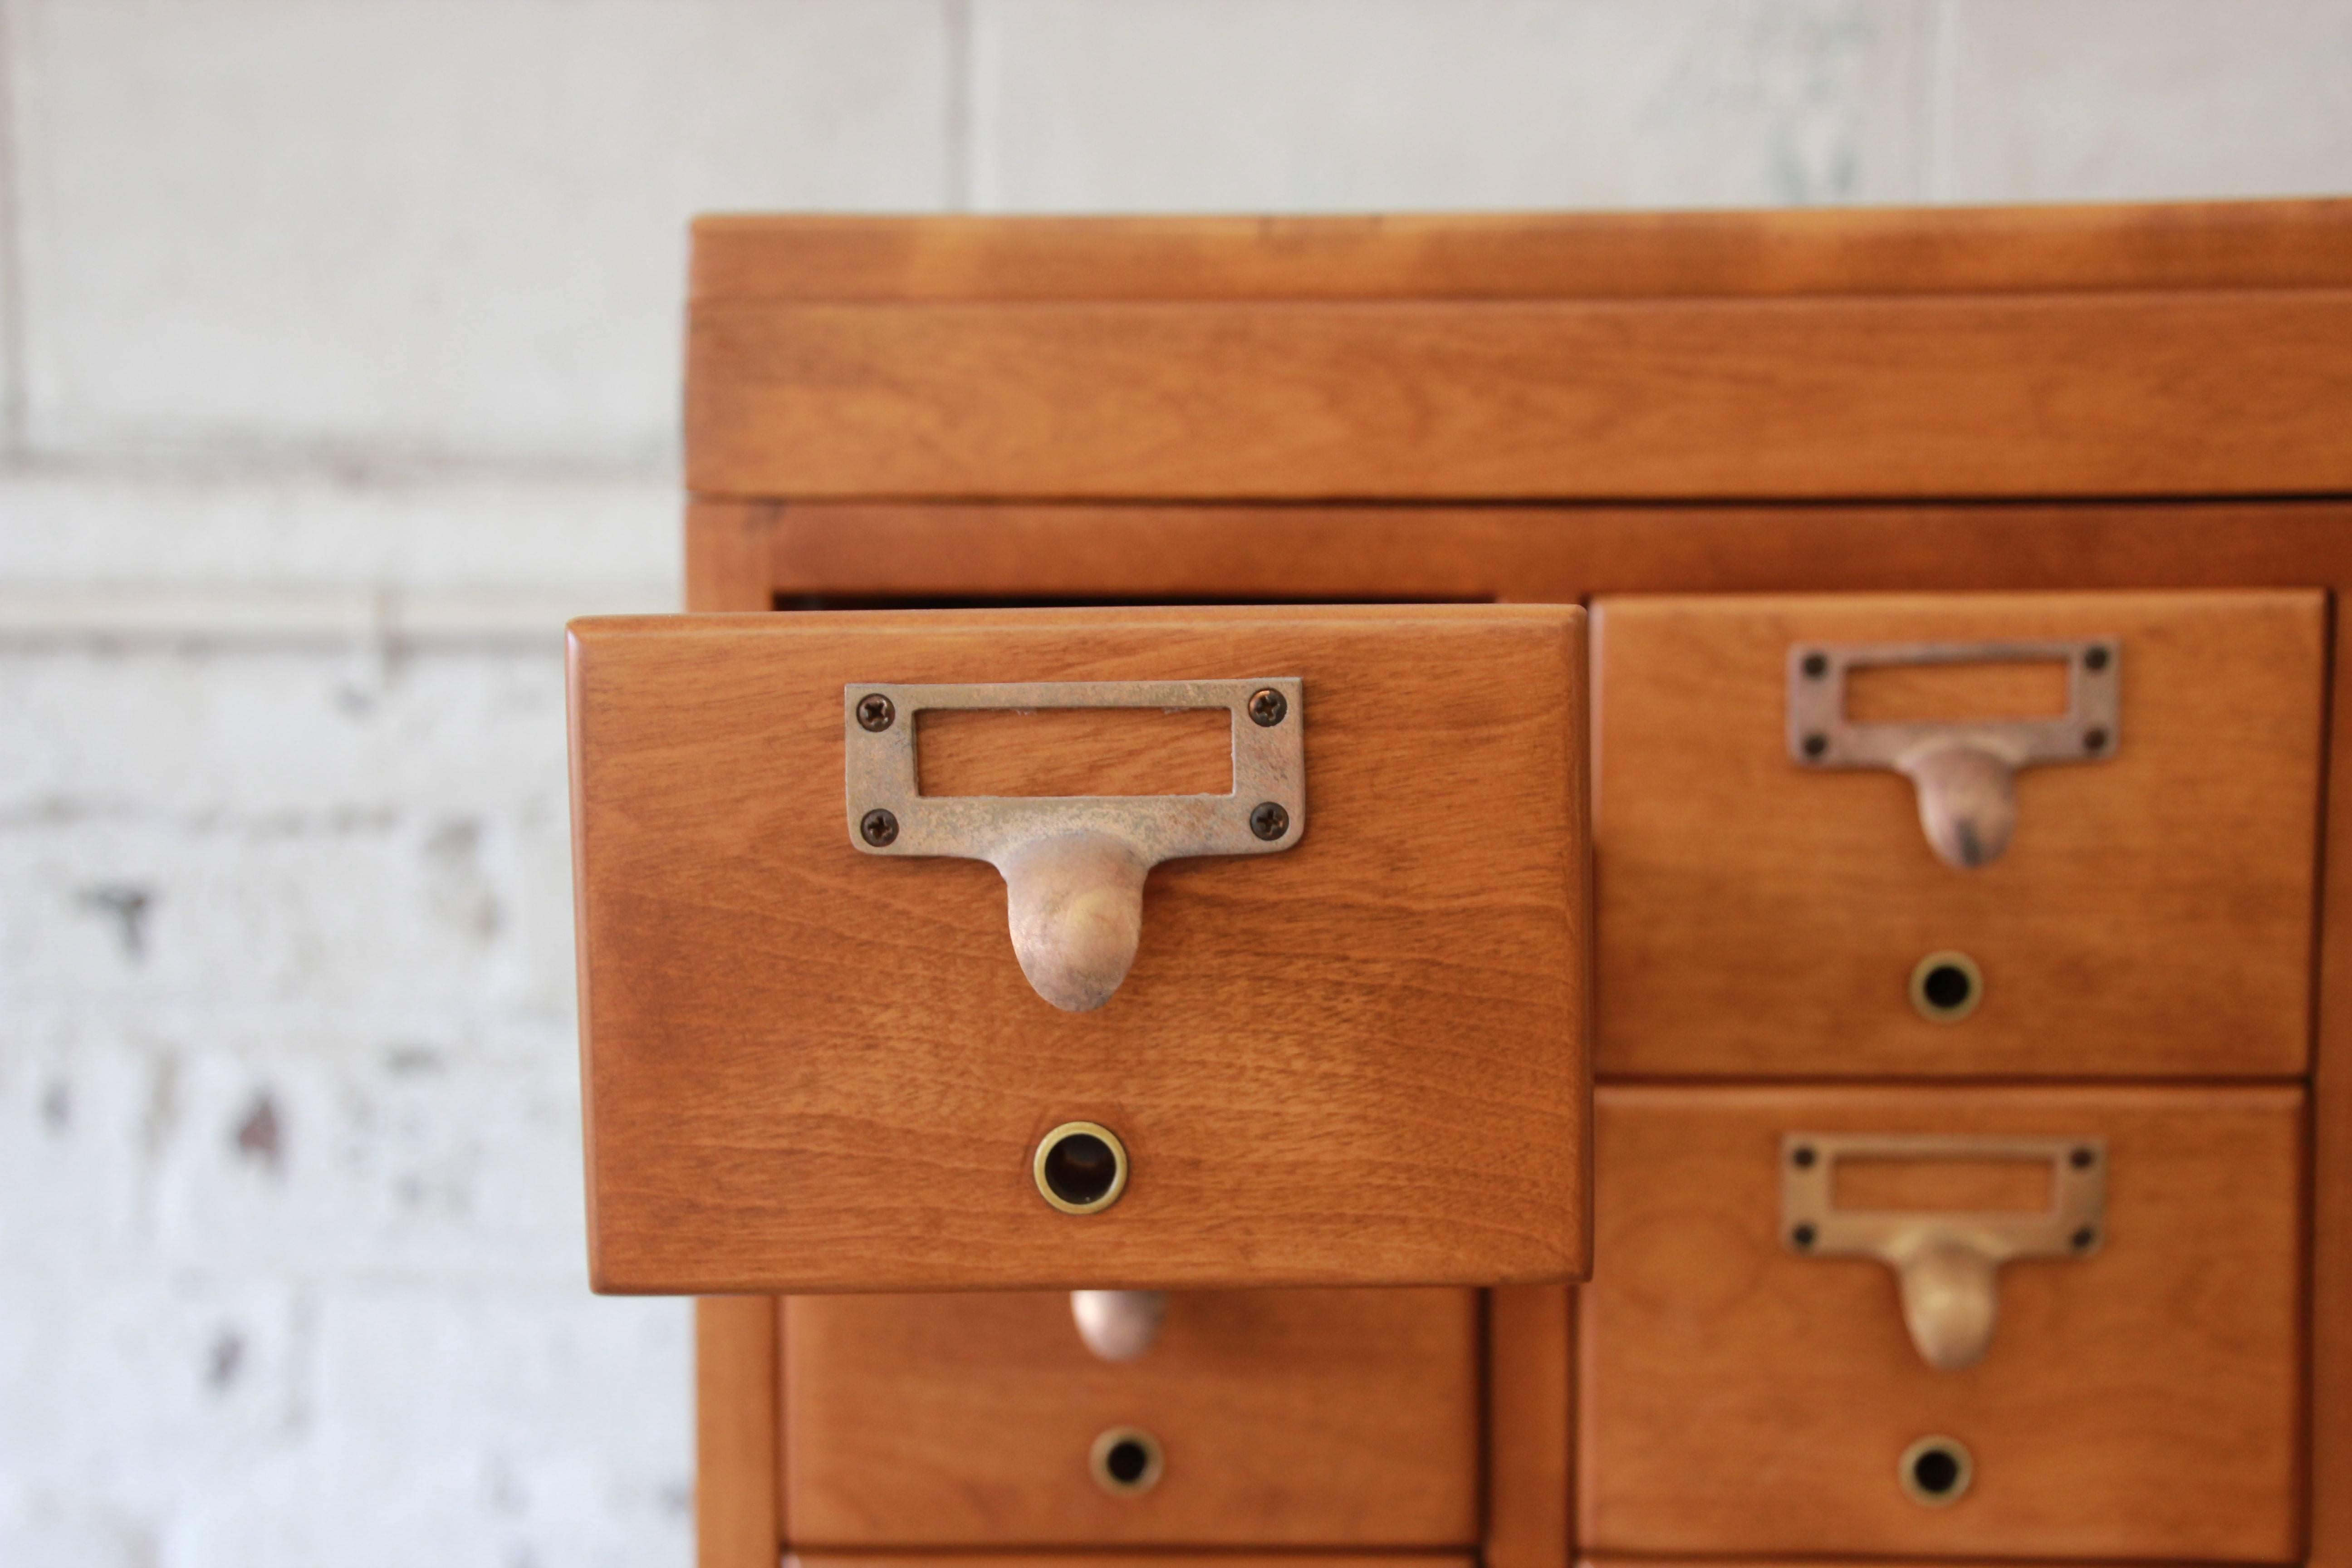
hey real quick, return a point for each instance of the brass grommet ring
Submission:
(1946, 986)
(1935, 1472)
(1080, 1167)
(1126, 1461)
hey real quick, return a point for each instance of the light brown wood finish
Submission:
(2144, 1401)
(735, 1518)
(738, 1509)
(1307, 1418)
(883, 549)
(985, 1558)
(2095, 395)
(1865, 1562)
(1360, 1060)
(1075, 752)
(727, 555)
(2329, 1543)
(965, 553)
(1528, 1459)
(2151, 916)
(1821, 250)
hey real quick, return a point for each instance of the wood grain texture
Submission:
(1075, 752)
(738, 1509)
(2143, 1403)
(736, 1519)
(987, 1558)
(1029, 551)
(1909, 693)
(1598, 1560)
(1821, 250)
(1309, 1419)
(812, 1069)
(2152, 915)
(2103, 394)
(983, 552)
(727, 550)
(2330, 1541)
(1529, 1417)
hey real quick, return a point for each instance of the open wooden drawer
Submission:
(1283, 982)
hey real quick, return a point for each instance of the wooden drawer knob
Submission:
(1119, 1325)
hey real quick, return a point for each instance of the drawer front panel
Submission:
(1279, 1418)
(815, 1060)
(2139, 1400)
(1762, 912)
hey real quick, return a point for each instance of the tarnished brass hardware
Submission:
(1946, 1265)
(1964, 772)
(1935, 1472)
(1126, 1461)
(1080, 1167)
(1073, 865)
(1119, 1325)
(1946, 986)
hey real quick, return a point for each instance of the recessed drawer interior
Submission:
(1996, 835)
(1785, 1347)
(1265, 1418)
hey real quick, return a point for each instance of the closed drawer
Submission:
(1257, 1418)
(1788, 803)
(1050, 949)
(2139, 1394)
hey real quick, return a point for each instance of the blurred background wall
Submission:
(339, 364)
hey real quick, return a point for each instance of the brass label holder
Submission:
(1965, 770)
(1073, 866)
(1946, 1265)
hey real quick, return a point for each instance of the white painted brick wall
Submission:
(338, 364)
(1371, 104)
(426, 227)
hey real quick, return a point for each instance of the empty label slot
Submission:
(1943, 1186)
(1908, 693)
(1075, 752)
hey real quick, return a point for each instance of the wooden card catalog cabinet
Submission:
(1070, 948)
(1971, 992)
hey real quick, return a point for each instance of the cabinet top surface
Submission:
(1823, 250)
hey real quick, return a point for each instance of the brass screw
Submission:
(875, 712)
(1267, 706)
(879, 828)
(1269, 821)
